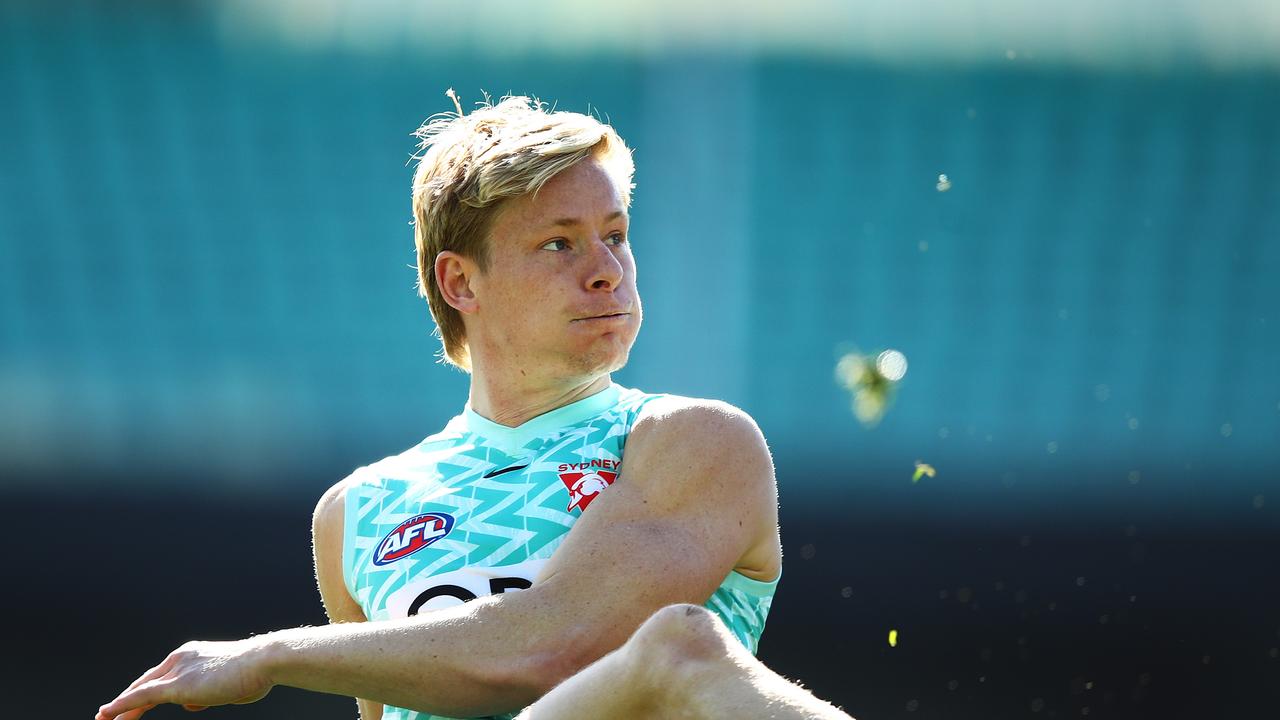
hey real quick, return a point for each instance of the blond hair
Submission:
(468, 165)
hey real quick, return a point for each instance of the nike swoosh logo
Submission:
(513, 468)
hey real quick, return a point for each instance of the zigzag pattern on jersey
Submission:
(743, 613)
(498, 521)
(503, 520)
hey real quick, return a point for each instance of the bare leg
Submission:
(682, 663)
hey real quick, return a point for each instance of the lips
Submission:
(605, 316)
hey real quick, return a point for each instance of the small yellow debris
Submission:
(944, 183)
(923, 469)
(893, 638)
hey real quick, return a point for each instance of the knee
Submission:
(675, 655)
(678, 635)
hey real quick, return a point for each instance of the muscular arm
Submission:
(326, 533)
(695, 499)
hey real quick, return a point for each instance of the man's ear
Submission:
(454, 274)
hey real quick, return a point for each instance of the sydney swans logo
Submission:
(586, 480)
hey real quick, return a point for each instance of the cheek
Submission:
(536, 297)
(629, 266)
(529, 302)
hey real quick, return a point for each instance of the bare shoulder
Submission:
(706, 419)
(331, 507)
(692, 446)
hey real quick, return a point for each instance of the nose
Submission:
(606, 270)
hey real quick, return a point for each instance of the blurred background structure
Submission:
(207, 316)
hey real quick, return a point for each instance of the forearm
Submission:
(465, 661)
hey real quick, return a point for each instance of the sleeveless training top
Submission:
(478, 508)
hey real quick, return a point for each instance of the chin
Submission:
(619, 362)
(603, 358)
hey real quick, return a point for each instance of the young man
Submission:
(473, 573)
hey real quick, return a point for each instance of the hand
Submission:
(196, 676)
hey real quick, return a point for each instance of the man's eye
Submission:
(617, 238)
(557, 244)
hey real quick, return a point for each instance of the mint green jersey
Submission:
(478, 508)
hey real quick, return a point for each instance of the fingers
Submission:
(153, 673)
(135, 714)
(130, 715)
(195, 708)
(114, 705)
(140, 698)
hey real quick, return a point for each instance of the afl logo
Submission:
(411, 536)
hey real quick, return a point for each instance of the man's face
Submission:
(559, 296)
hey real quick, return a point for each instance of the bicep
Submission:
(694, 497)
(327, 529)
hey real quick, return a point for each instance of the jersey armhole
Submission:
(738, 581)
(633, 415)
(350, 516)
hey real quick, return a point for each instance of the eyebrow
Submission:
(570, 222)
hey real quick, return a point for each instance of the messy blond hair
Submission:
(469, 164)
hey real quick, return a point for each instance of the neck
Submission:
(514, 402)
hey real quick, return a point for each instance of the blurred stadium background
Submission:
(207, 316)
